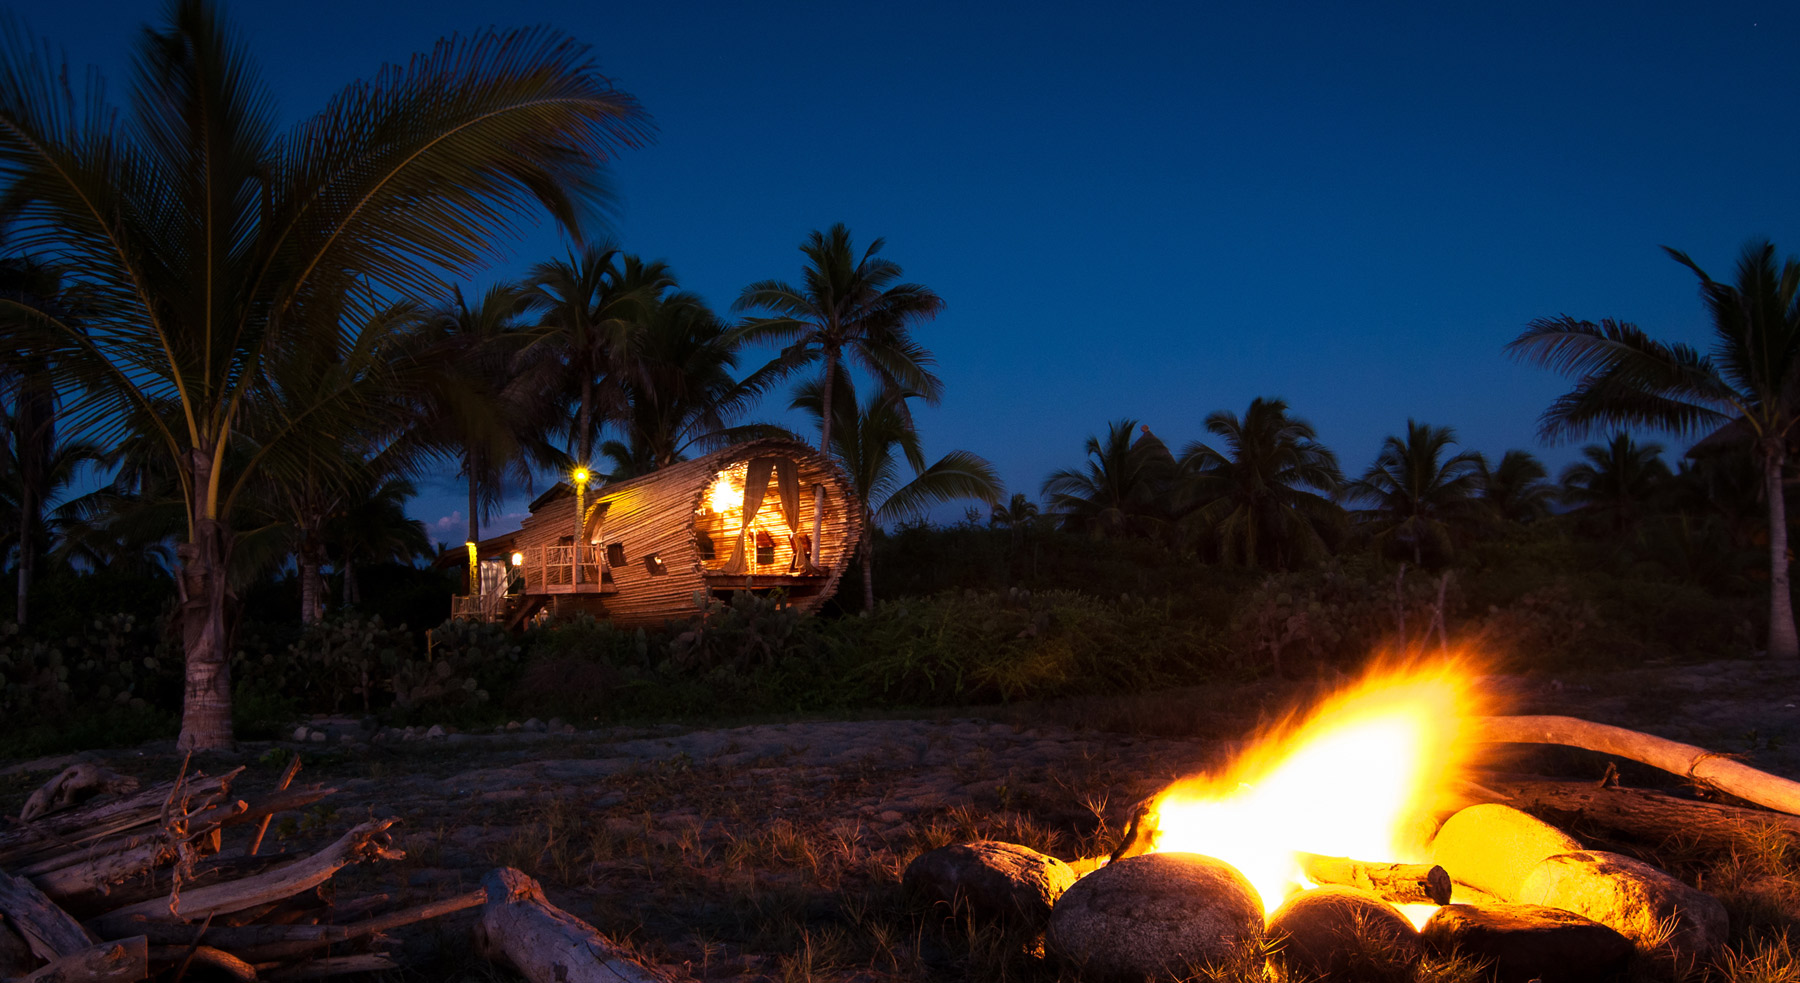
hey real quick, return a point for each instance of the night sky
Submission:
(1158, 211)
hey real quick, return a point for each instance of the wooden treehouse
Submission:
(643, 551)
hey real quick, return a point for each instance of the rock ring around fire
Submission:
(1156, 916)
(1341, 933)
(992, 881)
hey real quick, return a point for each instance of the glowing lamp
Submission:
(581, 476)
(518, 558)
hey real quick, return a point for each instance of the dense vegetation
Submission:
(226, 378)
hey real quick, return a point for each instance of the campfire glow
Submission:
(1350, 778)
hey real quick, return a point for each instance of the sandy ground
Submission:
(713, 850)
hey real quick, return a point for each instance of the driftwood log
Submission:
(75, 784)
(1640, 814)
(1698, 764)
(48, 930)
(1398, 883)
(521, 928)
(367, 841)
(119, 961)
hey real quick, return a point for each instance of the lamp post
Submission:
(581, 476)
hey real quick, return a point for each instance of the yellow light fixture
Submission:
(581, 476)
(518, 558)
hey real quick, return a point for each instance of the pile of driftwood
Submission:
(173, 882)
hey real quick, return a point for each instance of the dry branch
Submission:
(120, 961)
(76, 783)
(368, 962)
(520, 927)
(367, 841)
(287, 778)
(49, 930)
(1399, 883)
(85, 825)
(275, 943)
(218, 960)
(1639, 813)
(1698, 764)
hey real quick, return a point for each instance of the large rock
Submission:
(1341, 935)
(1664, 917)
(1492, 847)
(1530, 942)
(1155, 916)
(993, 881)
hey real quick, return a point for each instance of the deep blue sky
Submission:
(1158, 211)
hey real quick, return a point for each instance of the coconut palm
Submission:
(1019, 514)
(1517, 489)
(592, 306)
(1618, 480)
(1123, 490)
(873, 441)
(210, 246)
(679, 388)
(845, 307)
(1263, 496)
(28, 400)
(1418, 490)
(1626, 378)
(372, 526)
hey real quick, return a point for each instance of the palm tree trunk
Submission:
(474, 513)
(584, 426)
(1783, 643)
(868, 569)
(312, 603)
(825, 404)
(26, 502)
(352, 596)
(204, 594)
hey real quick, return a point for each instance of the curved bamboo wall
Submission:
(655, 515)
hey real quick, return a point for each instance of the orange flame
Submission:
(1350, 778)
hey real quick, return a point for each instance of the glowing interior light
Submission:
(517, 558)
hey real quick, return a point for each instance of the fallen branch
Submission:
(49, 930)
(1398, 883)
(218, 960)
(368, 962)
(75, 784)
(1640, 813)
(365, 842)
(1698, 764)
(545, 944)
(277, 943)
(121, 961)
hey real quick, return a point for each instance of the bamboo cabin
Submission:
(646, 550)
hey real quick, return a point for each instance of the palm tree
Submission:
(372, 526)
(845, 307)
(1517, 489)
(30, 411)
(592, 306)
(1018, 515)
(210, 246)
(1123, 490)
(872, 441)
(1617, 480)
(1265, 495)
(678, 385)
(1626, 378)
(1416, 491)
(480, 407)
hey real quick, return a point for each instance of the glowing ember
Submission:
(1350, 779)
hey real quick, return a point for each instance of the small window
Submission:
(705, 544)
(765, 548)
(615, 554)
(654, 564)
